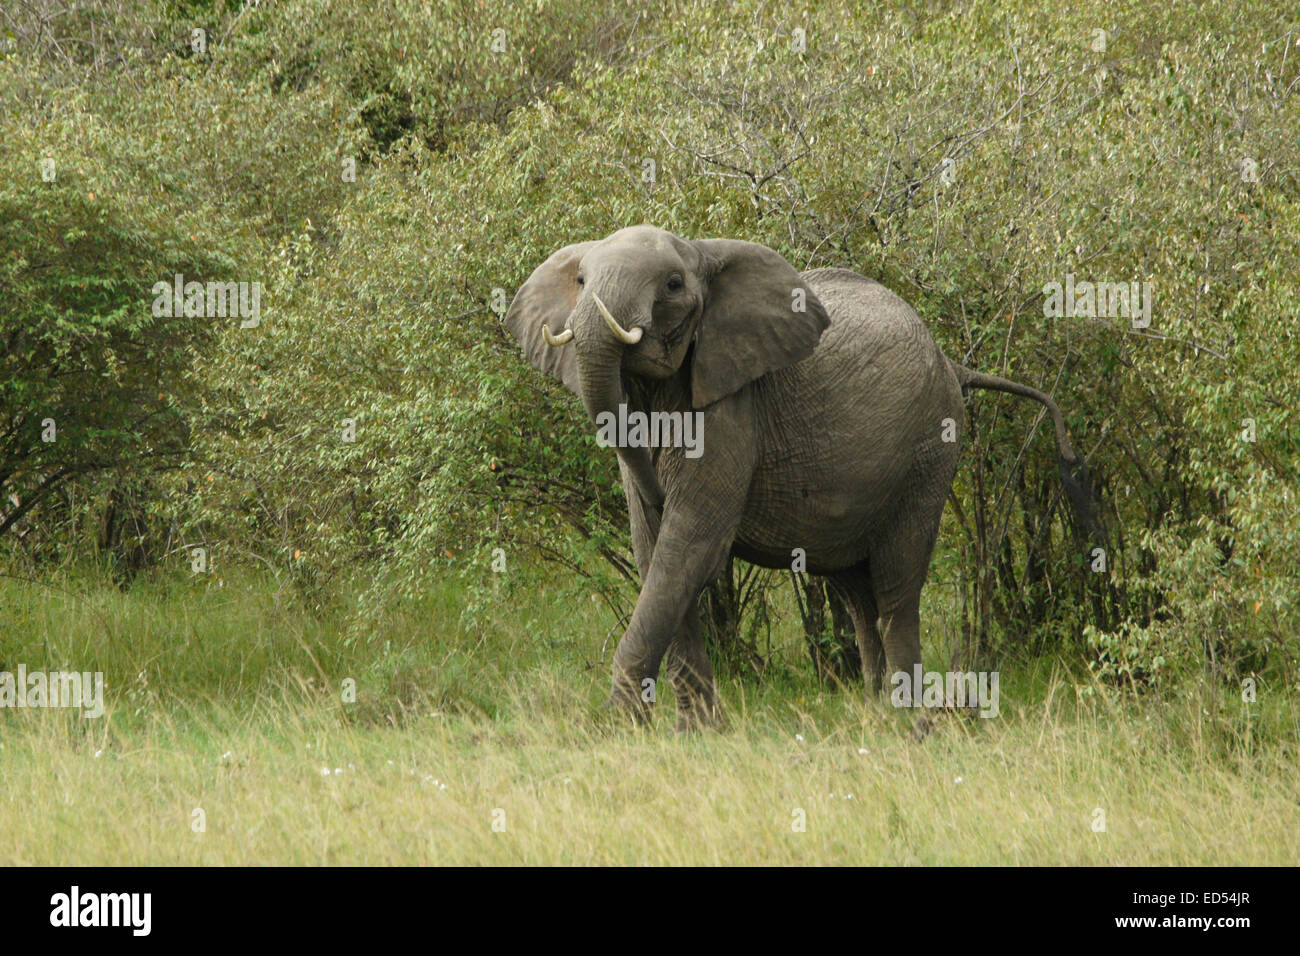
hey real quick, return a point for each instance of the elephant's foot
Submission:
(921, 729)
(625, 707)
(930, 721)
(699, 714)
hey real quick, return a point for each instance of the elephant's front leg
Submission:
(701, 514)
(684, 558)
(686, 662)
(690, 674)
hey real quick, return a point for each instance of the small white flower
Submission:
(798, 736)
(226, 755)
(98, 754)
(324, 771)
(957, 780)
(863, 751)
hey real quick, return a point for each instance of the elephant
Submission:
(829, 427)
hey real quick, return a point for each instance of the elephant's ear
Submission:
(759, 316)
(547, 298)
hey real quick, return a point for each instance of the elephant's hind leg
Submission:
(855, 589)
(899, 568)
(900, 558)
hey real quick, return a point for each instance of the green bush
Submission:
(91, 378)
(966, 157)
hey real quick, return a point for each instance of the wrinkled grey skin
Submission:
(823, 430)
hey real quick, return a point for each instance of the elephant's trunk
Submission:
(600, 359)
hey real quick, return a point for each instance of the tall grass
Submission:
(225, 701)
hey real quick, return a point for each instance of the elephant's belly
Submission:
(823, 562)
(830, 525)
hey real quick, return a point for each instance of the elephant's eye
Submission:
(579, 280)
(674, 282)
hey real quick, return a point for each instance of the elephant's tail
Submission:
(1073, 469)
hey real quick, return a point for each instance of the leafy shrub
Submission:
(965, 157)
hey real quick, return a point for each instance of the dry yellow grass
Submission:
(303, 787)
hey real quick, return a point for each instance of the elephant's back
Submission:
(876, 349)
(863, 312)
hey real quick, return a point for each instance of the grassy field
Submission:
(471, 745)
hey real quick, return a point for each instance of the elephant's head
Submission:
(645, 302)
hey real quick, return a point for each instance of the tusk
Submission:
(554, 341)
(624, 336)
